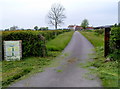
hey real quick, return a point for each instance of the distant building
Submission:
(78, 28)
(75, 27)
(71, 27)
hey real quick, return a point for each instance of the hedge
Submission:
(115, 43)
(33, 42)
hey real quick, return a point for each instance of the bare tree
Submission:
(56, 15)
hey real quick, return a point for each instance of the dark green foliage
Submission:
(43, 28)
(32, 44)
(36, 27)
(115, 43)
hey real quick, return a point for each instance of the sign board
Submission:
(12, 50)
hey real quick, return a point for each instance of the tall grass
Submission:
(107, 71)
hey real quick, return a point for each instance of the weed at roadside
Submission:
(107, 71)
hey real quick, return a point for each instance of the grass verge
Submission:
(107, 71)
(60, 42)
(14, 70)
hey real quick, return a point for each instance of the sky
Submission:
(30, 13)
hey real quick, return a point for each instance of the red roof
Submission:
(71, 26)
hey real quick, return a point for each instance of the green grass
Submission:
(13, 70)
(16, 70)
(60, 42)
(96, 40)
(59, 71)
(107, 71)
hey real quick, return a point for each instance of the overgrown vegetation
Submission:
(115, 43)
(107, 71)
(99, 31)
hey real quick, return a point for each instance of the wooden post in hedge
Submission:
(107, 37)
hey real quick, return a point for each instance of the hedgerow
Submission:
(115, 43)
(33, 42)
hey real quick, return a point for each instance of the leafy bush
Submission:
(99, 31)
(115, 43)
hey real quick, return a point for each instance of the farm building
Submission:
(75, 27)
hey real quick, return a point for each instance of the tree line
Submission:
(13, 28)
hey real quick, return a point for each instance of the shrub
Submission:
(99, 31)
(115, 43)
(32, 44)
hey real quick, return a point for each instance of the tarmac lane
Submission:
(67, 73)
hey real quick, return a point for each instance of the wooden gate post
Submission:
(106, 38)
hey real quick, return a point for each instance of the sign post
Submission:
(107, 37)
(12, 50)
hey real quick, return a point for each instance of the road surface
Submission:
(67, 71)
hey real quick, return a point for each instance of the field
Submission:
(107, 71)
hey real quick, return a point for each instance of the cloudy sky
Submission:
(29, 13)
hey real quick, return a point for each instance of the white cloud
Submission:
(27, 13)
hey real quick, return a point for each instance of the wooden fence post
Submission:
(106, 38)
